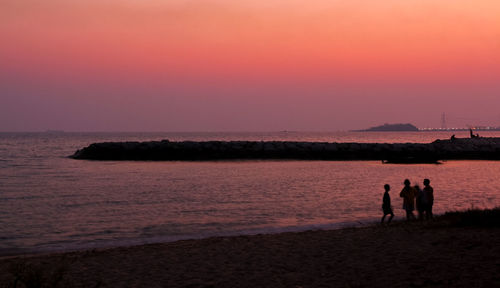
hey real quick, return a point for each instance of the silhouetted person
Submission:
(453, 137)
(386, 204)
(429, 198)
(408, 195)
(472, 135)
(420, 201)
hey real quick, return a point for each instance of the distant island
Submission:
(392, 127)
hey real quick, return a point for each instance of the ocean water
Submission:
(49, 202)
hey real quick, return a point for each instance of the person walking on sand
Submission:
(429, 198)
(408, 195)
(386, 204)
(420, 201)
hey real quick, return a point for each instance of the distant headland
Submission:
(399, 127)
(407, 127)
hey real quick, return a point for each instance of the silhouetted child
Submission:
(386, 204)
(429, 198)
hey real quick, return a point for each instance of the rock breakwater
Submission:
(456, 149)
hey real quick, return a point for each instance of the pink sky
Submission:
(225, 65)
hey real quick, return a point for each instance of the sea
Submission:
(52, 203)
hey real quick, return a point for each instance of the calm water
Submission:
(50, 202)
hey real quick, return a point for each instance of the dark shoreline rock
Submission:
(456, 149)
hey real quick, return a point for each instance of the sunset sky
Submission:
(226, 65)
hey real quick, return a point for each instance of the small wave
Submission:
(108, 238)
(93, 235)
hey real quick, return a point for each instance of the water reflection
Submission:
(47, 200)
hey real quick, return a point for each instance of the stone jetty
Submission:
(482, 148)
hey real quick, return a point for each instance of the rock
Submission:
(456, 149)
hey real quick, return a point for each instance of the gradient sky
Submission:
(260, 65)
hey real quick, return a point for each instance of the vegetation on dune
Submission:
(471, 218)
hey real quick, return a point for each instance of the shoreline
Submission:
(458, 251)
(132, 242)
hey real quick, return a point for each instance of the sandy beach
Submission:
(429, 254)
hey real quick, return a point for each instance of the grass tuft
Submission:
(37, 275)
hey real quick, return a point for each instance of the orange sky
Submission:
(340, 53)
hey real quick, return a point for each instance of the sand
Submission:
(399, 255)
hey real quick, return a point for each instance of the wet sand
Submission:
(399, 255)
